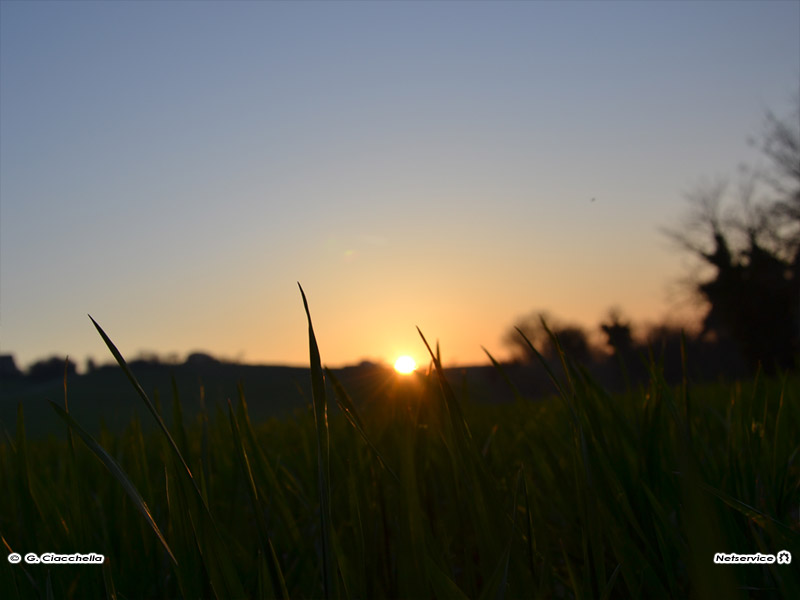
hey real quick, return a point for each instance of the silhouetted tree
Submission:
(754, 251)
(619, 338)
(50, 369)
(8, 367)
(201, 359)
(572, 338)
(618, 333)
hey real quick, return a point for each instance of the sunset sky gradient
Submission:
(174, 169)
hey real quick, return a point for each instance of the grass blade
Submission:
(118, 474)
(460, 429)
(441, 583)
(320, 400)
(108, 582)
(135, 383)
(514, 389)
(266, 473)
(216, 556)
(347, 407)
(267, 549)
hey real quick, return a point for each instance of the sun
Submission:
(405, 365)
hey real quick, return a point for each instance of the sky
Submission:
(175, 168)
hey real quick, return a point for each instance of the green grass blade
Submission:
(514, 389)
(22, 451)
(266, 473)
(205, 457)
(320, 400)
(441, 584)
(460, 429)
(267, 549)
(118, 474)
(66, 407)
(756, 516)
(178, 430)
(610, 584)
(23, 474)
(8, 574)
(529, 531)
(559, 388)
(139, 390)
(218, 559)
(561, 354)
(498, 582)
(189, 572)
(573, 576)
(347, 407)
(49, 587)
(108, 581)
(484, 509)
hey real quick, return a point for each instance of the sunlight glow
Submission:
(405, 365)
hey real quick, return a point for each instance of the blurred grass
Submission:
(418, 493)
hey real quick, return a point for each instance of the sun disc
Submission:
(405, 365)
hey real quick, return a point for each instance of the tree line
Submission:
(54, 367)
(745, 240)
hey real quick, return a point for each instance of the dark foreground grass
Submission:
(415, 495)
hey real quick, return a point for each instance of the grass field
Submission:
(417, 494)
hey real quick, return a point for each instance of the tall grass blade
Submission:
(108, 582)
(49, 587)
(573, 577)
(135, 383)
(561, 354)
(190, 570)
(78, 513)
(456, 414)
(320, 400)
(609, 587)
(32, 516)
(514, 390)
(70, 439)
(205, 457)
(687, 407)
(543, 362)
(267, 549)
(756, 516)
(178, 430)
(484, 509)
(441, 584)
(118, 474)
(23, 470)
(531, 545)
(266, 473)
(218, 559)
(8, 577)
(347, 407)
(498, 582)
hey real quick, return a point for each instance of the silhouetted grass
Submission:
(416, 494)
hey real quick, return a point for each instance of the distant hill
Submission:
(106, 396)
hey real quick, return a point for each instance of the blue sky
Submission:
(175, 168)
